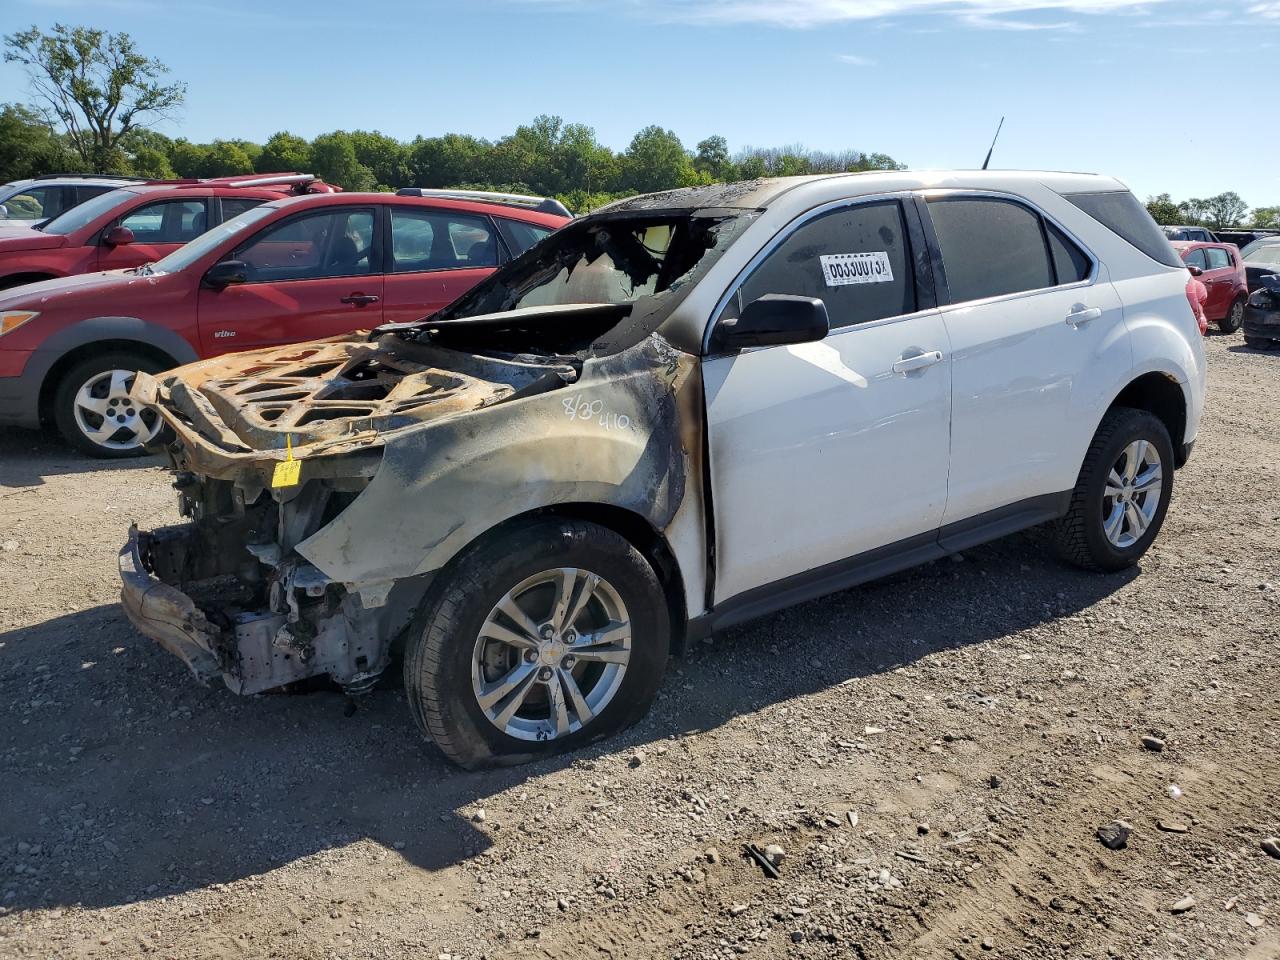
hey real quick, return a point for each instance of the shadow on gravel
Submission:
(28, 456)
(125, 781)
(1244, 348)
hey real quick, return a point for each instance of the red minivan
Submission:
(1221, 270)
(296, 268)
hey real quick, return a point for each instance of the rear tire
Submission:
(1234, 318)
(495, 689)
(1112, 520)
(92, 396)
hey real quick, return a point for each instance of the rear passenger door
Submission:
(1028, 313)
(158, 229)
(435, 257)
(1220, 278)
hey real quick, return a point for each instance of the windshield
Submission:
(1261, 252)
(188, 254)
(648, 261)
(87, 212)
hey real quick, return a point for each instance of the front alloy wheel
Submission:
(552, 654)
(542, 636)
(1234, 318)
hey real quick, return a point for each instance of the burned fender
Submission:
(625, 434)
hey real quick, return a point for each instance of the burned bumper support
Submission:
(307, 626)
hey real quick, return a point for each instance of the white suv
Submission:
(682, 412)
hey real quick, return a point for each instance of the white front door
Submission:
(1033, 327)
(823, 451)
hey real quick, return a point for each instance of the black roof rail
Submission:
(540, 204)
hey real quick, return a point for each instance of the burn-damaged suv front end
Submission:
(550, 384)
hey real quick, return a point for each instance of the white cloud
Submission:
(1267, 11)
(991, 14)
(854, 60)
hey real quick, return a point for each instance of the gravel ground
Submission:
(934, 753)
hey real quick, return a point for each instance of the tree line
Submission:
(1219, 212)
(96, 97)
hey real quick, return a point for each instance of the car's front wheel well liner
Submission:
(49, 386)
(636, 529)
(1161, 395)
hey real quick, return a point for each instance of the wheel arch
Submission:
(73, 344)
(633, 527)
(1161, 395)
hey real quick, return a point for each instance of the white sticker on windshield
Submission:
(844, 268)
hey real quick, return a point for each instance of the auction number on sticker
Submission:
(840, 269)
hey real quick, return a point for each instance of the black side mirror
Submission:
(775, 318)
(118, 237)
(1194, 270)
(224, 274)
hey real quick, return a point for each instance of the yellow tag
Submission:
(287, 471)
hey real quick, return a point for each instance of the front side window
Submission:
(168, 221)
(1219, 259)
(1196, 258)
(435, 240)
(856, 260)
(334, 243)
(990, 247)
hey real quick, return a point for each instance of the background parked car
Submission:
(1201, 234)
(1222, 272)
(137, 224)
(1261, 259)
(29, 203)
(293, 269)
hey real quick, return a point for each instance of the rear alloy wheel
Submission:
(1122, 494)
(537, 640)
(1234, 318)
(95, 413)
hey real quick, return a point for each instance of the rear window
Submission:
(1122, 213)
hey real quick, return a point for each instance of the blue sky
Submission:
(1136, 89)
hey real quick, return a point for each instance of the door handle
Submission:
(917, 361)
(360, 299)
(1081, 314)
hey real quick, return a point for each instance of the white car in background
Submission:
(669, 417)
(30, 203)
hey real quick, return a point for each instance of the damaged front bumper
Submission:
(303, 625)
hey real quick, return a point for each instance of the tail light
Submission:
(1193, 298)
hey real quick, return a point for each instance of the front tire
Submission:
(540, 639)
(1234, 318)
(1122, 494)
(94, 413)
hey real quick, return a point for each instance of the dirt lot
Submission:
(979, 720)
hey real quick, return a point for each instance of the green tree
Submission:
(1163, 210)
(1225, 210)
(188, 159)
(385, 157)
(333, 158)
(712, 157)
(284, 153)
(97, 85)
(1266, 216)
(656, 160)
(28, 147)
(449, 160)
(226, 158)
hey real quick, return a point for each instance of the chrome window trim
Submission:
(1089, 281)
(784, 233)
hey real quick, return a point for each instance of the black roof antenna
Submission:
(987, 162)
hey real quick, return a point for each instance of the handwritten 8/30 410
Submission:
(577, 408)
